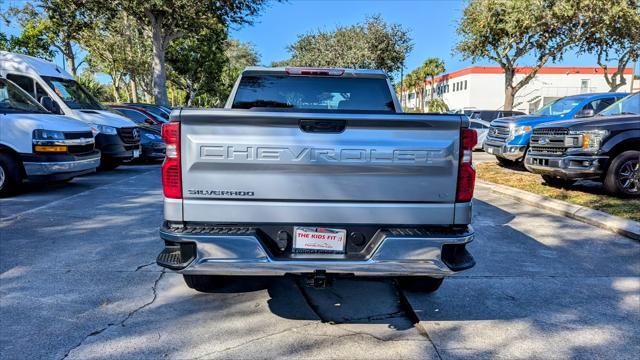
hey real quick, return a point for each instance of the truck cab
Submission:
(57, 91)
(508, 137)
(36, 145)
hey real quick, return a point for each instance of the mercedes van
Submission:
(57, 91)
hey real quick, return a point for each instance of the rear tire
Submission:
(557, 181)
(423, 284)
(204, 283)
(623, 175)
(10, 175)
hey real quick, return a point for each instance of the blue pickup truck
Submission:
(508, 137)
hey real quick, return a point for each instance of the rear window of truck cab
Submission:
(314, 93)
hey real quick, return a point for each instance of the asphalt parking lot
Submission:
(78, 280)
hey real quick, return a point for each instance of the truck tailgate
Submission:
(317, 159)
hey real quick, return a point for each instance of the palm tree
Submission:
(431, 68)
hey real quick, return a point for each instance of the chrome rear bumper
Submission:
(389, 255)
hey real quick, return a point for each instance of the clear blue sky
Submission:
(432, 26)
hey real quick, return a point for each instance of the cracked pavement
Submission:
(78, 280)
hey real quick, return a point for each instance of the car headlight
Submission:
(105, 129)
(40, 134)
(587, 140)
(519, 130)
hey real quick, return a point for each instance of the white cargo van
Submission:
(56, 90)
(37, 145)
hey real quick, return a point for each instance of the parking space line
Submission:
(26, 212)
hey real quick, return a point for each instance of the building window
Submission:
(465, 84)
(584, 86)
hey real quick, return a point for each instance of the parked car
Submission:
(482, 129)
(317, 172)
(490, 115)
(150, 126)
(36, 145)
(508, 138)
(140, 116)
(56, 90)
(605, 147)
(161, 111)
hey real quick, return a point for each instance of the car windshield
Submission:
(629, 105)
(560, 106)
(15, 100)
(313, 93)
(73, 94)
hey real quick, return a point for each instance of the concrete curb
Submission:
(628, 228)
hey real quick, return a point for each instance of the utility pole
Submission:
(633, 75)
(401, 84)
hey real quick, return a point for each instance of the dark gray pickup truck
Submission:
(316, 172)
(605, 147)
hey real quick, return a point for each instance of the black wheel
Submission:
(108, 164)
(557, 181)
(10, 175)
(509, 163)
(204, 283)
(423, 284)
(623, 175)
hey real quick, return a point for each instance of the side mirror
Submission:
(585, 113)
(50, 105)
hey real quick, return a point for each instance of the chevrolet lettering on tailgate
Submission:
(244, 153)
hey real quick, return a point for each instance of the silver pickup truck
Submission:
(316, 172)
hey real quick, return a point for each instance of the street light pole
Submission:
(401, 85)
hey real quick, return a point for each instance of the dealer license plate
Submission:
(314, 240)
(136, 153)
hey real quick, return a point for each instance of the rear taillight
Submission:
(171, 173)
(311, 71)
(466, 172)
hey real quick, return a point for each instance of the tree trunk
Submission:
(114, 82)
(134, 90)
(159, 70)
(69, 58)
(509, 93)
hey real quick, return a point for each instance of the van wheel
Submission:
(623, 175)
(423, 284)
(10, 175)
(557, 181)
(204, 283)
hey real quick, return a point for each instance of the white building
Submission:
(482, 87)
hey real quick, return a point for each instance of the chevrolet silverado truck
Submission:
(316, 172)
(508, 137)
(605, 147)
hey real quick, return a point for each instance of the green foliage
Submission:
(118, 47)
(415, 79)
(166, 21)
(196, 61)
(54, 23)
(438, 106)
(505, 31)
(372, 44)
(611, 31)
(99, 91)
